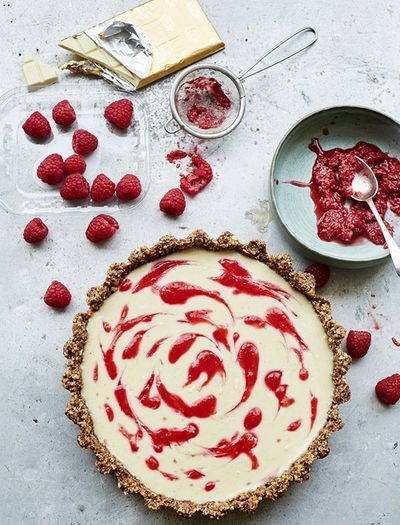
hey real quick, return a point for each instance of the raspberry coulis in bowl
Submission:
(339, 219)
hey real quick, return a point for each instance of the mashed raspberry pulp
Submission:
(199, 172)
(204, 102)
(331, 185)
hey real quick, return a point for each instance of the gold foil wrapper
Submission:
(179, 33)
(87, 67)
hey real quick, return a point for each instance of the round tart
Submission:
(206, 374)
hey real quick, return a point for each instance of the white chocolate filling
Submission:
(286, 428)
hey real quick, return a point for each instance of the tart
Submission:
(206, 374)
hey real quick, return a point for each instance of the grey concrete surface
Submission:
(44, 476)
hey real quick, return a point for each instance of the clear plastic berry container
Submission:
(119, 151)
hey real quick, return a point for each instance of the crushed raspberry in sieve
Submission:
(204, 102)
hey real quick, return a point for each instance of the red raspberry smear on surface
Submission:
(35, 231)
(176, 155)
(338, 218)
(199, 172)
(358, 343)
(57, 295)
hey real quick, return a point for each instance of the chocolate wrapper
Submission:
(87, 67)
(178, 33)
(127, 43)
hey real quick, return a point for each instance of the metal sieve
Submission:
(224, 119)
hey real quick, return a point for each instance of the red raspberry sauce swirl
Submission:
(206, 365)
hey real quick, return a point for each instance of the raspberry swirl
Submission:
(206, 374)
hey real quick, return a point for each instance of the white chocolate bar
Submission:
(37, 73)
(178, 30)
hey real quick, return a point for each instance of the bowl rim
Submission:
(376, 259)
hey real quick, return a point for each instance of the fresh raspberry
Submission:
(74, 188)
(173, 202)
(35, 231)
(37, 126)
(358, 343)
(388, 389)
(128, 188)
(51, 169)
(57, 295)
(120, 113)
(102, 188)
(64, 113)
(74, 164)
(84, 142)
(321, 273)
(101, 228)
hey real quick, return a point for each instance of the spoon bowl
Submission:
(365, 183)
(365, 187)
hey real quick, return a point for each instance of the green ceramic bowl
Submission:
(335, 127)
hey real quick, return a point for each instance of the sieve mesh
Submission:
(207, 101)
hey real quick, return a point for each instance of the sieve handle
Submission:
(173, 130)
(249, 73)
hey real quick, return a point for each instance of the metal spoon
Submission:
(365, 187)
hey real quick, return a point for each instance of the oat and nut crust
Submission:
(78, 412)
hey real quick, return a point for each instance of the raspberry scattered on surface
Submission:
(84, 142)
(74, 187)
(57, 295)
(74, 164)
(102, 188)
(173, 202)
(388, 389)
(51, 169)
(321, 273)
(120, 113)
(64, 113)
(35, 231)
(176, 155)
(102, 227)
(198, 174)
(128, 188)
(37, 126)
(358, 343)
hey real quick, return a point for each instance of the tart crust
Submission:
(78, 412)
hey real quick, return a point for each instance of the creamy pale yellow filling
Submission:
(224, 475)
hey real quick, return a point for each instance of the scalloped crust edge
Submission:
(78, 412)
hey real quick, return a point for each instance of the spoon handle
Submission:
(393, 248)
